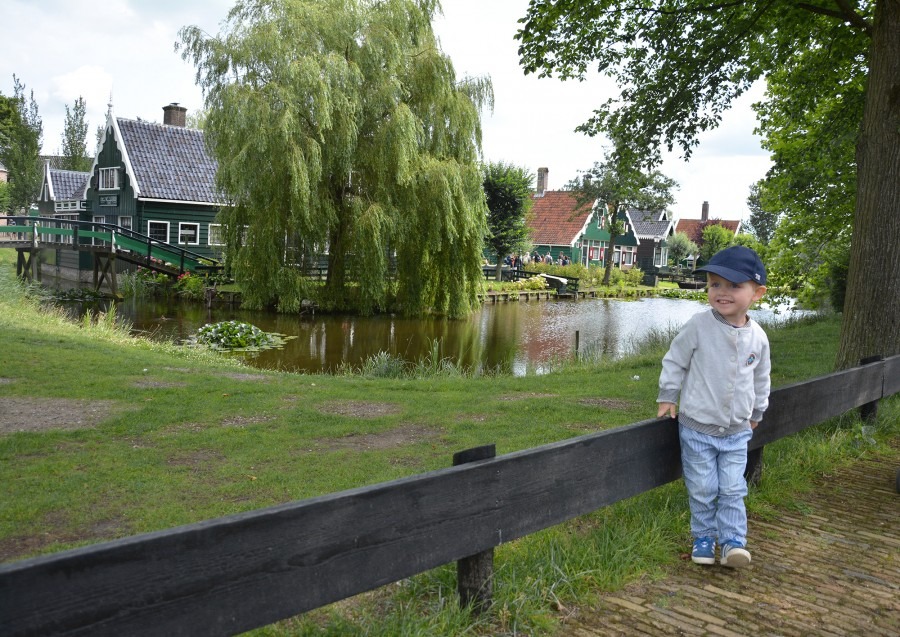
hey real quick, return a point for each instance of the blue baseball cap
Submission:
(737, 264)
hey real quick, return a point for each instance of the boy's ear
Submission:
(759, 292)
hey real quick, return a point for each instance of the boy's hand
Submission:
(670, 409)
(753, 425)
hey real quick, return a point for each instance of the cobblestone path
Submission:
(831, 569)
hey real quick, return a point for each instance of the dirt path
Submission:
(831, 569)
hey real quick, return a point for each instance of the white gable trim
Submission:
(48, 181)
(112, 126)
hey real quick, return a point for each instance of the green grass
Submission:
(183, 435)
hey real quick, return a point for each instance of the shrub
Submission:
(190, 286)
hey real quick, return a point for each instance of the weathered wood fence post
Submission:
(475, 573)
(869, 411)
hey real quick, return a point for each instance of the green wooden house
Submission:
(560, 226)
(154, 179)
(158, 180)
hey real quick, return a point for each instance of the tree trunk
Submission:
(871, 322)
(337, 267)
(610, 253)
(499, 274)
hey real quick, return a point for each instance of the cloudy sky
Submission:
(63, 49)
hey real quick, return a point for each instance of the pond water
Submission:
(516, 338)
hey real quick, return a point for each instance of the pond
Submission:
(514, 338)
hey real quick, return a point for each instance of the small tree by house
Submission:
(715, 238)
(507, 189)
(616, 184)
(74, 138)
(680, 248)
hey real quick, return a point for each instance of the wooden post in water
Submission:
(577, 337)
(475, 573)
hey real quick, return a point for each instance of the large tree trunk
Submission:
(871, 323)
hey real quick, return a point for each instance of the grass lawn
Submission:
(104, 436)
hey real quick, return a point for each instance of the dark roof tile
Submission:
(170, 162)
(68, 185)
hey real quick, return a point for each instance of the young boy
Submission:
(718, 369)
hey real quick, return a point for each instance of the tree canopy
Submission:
(74, 138)
(21, 131)
(507, 190)
(617, 184)
(763, 219)
(832, 70)
(341, 127)
(681, 247)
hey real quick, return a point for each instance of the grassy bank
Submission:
(104, 436)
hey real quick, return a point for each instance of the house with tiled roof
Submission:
(559, 225)
(693, 228)
(153, 179)
(158, 180)
(652, 229)
(62, 193)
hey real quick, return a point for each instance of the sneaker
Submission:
(734, 555)
(704, 551)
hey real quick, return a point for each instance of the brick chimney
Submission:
(543, 172)
(704, 215)
(174, 115)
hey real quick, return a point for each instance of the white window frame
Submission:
(196, 226)
(68, 240)
(104, 181)
(125, 223)
(218, 233)
(163, 223)
(98, 219)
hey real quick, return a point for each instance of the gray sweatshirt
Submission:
(721, 373)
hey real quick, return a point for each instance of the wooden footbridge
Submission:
(105, 242)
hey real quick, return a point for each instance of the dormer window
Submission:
(109, 179)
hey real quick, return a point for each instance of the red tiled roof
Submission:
(690, 227)
(556, 218)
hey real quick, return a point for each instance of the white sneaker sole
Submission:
(736, 558)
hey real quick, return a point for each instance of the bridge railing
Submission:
(235, 573)
(74, 233)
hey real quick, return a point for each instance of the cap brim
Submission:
(726, 273)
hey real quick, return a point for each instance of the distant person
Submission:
(717, 368)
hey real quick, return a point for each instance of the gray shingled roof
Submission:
(68, 185)
(169, 162)
(647, 223)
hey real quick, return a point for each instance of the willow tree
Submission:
(681, 63)
(340, 126)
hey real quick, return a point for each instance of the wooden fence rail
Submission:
(231, 574)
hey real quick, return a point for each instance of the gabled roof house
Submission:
(158, 180)
(560, 226)
(153, 179)
(693, 228)
(652, 229)
(62, 193)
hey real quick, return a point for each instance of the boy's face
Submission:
(732, 300)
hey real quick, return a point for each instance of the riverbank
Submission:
(133, 436)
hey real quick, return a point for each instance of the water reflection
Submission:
(516, 338)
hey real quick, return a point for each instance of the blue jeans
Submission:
(713, 468)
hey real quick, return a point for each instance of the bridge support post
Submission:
(105, 270)
(475, 573)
